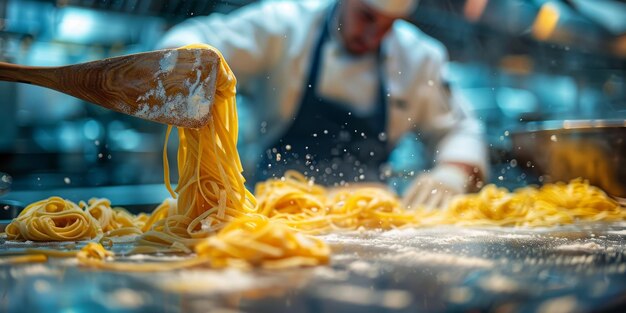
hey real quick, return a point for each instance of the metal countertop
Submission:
(445, 269)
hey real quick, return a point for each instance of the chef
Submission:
(333, 86)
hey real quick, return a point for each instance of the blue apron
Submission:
(326, 140)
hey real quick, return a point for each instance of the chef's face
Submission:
(362, 28)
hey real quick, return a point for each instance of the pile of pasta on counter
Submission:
(297, 202)
(214, 220)
(213, 217)
(56, 219)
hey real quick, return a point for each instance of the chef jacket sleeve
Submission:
(251, 38)
(451, 131)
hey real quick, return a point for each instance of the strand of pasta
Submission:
(258, 241)
(211, 189)
(293, 202)
(304, 206)
(552, 204)
(57, 219)
(214, 215)
(213, 202)
(113, 222)
(29, 258)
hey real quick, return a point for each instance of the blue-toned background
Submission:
(512, 65)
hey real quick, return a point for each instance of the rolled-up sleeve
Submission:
(251, 38)
(452, 131)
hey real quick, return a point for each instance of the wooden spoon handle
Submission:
(97, 82)
(174, 86)
(41, 76)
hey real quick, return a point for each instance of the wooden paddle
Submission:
(172, 86)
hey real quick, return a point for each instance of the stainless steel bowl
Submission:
(567, 149)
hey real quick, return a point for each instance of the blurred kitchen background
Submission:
(518, 62)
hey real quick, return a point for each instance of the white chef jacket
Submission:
(268, 46)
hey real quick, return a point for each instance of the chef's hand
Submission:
(436, 188)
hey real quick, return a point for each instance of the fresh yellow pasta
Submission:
(95, 255)
(93, 251)
(113, 221)
(295, 201)
(368, 207)
(29, 258)
(53, 219)
(213, 215)
(210, 196)
(258, 241)
(549, 205)
(304, 206)
(211, 189)
(57, 219)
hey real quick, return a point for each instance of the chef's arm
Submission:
(475, 178)
(462, 145)
(457, 140)
(251, 38)
(460, 166)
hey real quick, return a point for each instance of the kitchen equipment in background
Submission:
(508, 76)
(5, 183)
(9, 209)
(563, 150)
(8, 111)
